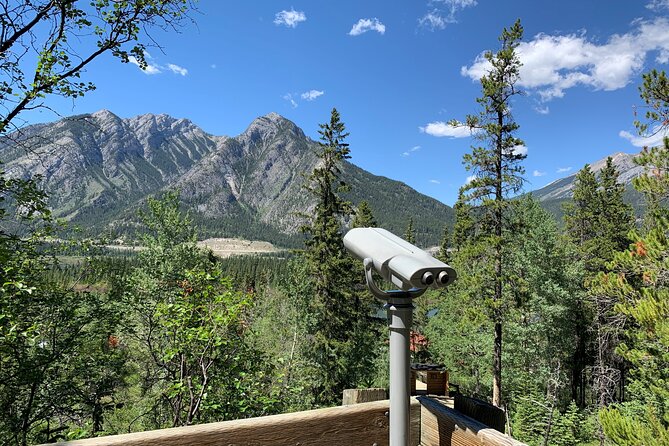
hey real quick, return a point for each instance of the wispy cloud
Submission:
(542, 110)
(441, 129)
(365, 25)
(433, 20)
(289, 97)
(552, 64)
(443, 12)
(311, 95)
(289, 18)
(154, 68)
(563, 169)
(470, 178)
(538, 173)
(149, 69)
(176, 69)
(435, 181)
(411, 150)
(651, 141)
(657, 5)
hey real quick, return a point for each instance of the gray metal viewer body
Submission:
(412, 270)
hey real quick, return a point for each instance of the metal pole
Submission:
(400, 312)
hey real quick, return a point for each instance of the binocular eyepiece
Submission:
(397, 260)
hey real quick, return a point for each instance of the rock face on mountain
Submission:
(98, 169)
(554, 194)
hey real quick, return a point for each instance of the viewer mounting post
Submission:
(413, 271)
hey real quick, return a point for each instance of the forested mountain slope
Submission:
(98, 169)
(554, 194)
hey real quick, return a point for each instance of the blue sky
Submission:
(396, 71)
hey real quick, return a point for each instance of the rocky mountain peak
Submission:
(269, 126)
(623, 161)
(104, 115)
(562, 188)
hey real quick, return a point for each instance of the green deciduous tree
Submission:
(58, 371)
(539, 326)
(47, 44)
(188, 326)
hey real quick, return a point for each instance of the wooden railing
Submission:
(441, 425)
(432, 424)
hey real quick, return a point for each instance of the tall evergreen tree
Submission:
(410, 232)
(497, 175)
(337, 319)
(597, 222)
(364, 218)
(463, 229)
(639, 287)
(444, 245)
(580, 224)
(638, 282)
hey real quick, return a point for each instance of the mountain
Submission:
(98, 170)
(554, 194)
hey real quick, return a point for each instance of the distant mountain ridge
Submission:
(554, 194)
(98, 170)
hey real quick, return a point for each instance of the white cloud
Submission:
(538, 173)
(289, 18)
(434, 20)
(470, 178)
(289, 97)
(554, 64)
(563, 169)
(411, 150)
(150, 68)
(443, 12)
(542, 110)
(435, 181)
(176, 69)
(651, 141)
(440, 129)
(656, 5)
(365, 25)
(519, 150)
(311, 95)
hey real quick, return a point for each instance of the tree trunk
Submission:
(497, 367)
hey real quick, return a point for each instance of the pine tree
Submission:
(638, 282)
(410, 232)
(364, 218)
(336, 318)
(598, 222)
(444, 245)
(497, 175)
(580, 215)
(463, 229)
(653, 184)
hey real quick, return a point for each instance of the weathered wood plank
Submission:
(481, 411)
(358, 424)
(441, 425)
(357, 396)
